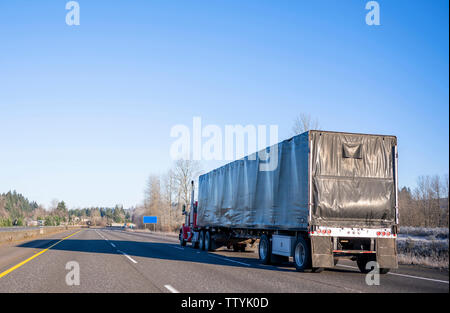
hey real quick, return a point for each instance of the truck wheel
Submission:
(384, 271)
(265, 250)
(202, 240)
(182, 241)
(302, 255)
(208, 241)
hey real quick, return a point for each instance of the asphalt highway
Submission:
(121, 261)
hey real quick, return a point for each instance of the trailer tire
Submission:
(362, 263)
(265, 250)
(302, 255)
(202, 240)
(208, 241)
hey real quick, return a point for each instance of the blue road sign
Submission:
(150, 219)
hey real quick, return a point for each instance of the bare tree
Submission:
(431, 207)
(445, 192)
(303, 123)
(152, 202)
(165, 195)
(184, 172)
(169, 193)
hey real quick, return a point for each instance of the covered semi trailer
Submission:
(331, 195)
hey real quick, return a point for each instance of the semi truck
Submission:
(331, 195)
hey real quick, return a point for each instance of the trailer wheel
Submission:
(182, 241)
(265, 250)
(362, 263)
(208, 241)
(202, 240)
(302, 255)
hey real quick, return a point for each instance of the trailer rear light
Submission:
(388, 234)
(324, 231)
(378, 233)
(312, 232)
(383, 233)
(329, 231)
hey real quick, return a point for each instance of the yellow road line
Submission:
(34, 256)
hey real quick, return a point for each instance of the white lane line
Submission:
(403, 275)
(127, 256)
(112, 244)
(417, 277)
(101, 235)
(171, 289)
(177, 247)
(226, 259)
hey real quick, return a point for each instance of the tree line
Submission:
(427, 204)
(17, 210)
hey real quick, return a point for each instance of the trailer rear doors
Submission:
(352, 179)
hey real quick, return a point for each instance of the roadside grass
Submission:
(423, 246)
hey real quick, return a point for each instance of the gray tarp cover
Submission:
(352, 185)
(353, 179)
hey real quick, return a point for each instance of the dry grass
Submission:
(425, 261)
(423, 246)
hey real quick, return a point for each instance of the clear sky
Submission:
(86, 111)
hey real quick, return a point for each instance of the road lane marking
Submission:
(417, 277)
(226, 259)
(127, 256)
(177, 247)
(171, 289)
(112, 244)
(34, 256)
(403, 275)
(101, 235)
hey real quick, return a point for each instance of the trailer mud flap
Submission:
(387, 253)
(321, 252)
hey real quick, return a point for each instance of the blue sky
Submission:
(86, 111)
